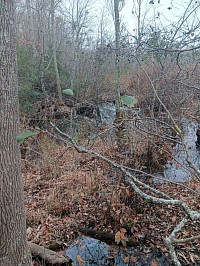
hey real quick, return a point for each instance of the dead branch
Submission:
(194, 215)
(47, 255)
(105, 236)
(175, 125)
(135, 183)
(186, 240)
(190, 86)
(170, 241)
(162, 179)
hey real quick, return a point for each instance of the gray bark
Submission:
(13, 243)
(117, 52)
(30, 28)
(53, 39)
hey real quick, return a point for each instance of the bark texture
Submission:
(48, 256)
(117, 53)
(53, 37)
(13, 244)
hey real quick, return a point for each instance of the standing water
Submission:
(178, 170)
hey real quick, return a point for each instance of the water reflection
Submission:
(87, 251)
(178, 169)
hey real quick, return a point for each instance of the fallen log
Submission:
(105, 236)
(47, 255)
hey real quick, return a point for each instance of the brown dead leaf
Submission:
(80, 260)
(133, 259)
(118, 212)
(123, 242)
(154, 263)
(151, 226)
(124, 237)
(174, 219)
(126, 259)
(123, 230)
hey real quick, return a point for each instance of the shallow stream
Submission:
(177, 170)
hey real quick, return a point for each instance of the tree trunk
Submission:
(117, 53)
(30, 27)
(119, 121)
(14, 250)
(53, 39)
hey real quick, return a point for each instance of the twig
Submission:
(186, 240)
(190, 86)
(162, 178)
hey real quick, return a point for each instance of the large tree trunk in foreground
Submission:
(13, 243)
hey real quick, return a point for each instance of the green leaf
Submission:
(68, 92)
(77, 138)
(129, 101)
(25, 135)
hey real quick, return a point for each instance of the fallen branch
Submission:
(186, 240)
(134, 182)
(170, 241)
(136, 185)
(47, 255)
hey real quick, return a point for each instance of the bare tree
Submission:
(117, 52)
(30, 27)
(13, 242)
(53, 39)
(79, 18)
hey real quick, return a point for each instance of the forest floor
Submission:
(64, 193)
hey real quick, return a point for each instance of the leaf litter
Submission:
(78, 190)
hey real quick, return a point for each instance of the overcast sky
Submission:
(169, 10)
